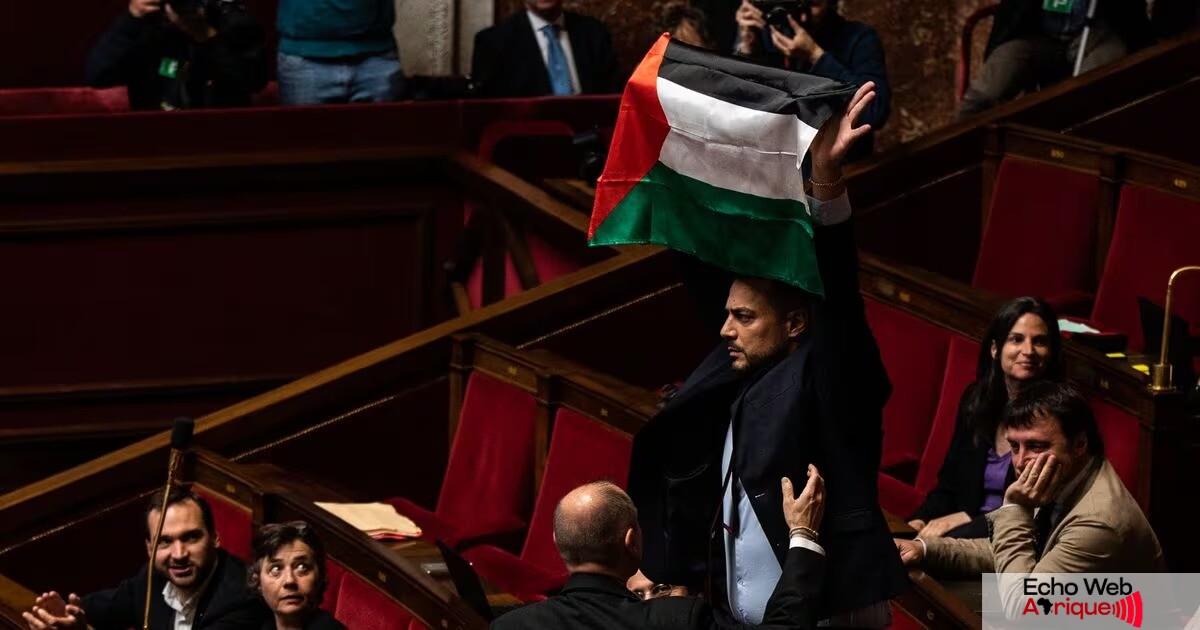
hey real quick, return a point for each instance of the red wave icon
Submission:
(1129, 609)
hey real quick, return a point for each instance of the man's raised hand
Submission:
(841, 131)
(806, 510)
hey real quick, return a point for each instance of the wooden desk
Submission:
(422, 553)
(573, 192)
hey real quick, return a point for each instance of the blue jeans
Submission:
(369, 79)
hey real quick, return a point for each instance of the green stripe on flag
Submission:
(748, 235)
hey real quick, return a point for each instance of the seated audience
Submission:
(180, 54)
(685, 23)
(596, 531)
(1067, 511)
(825, 45)
(289, 573)
(544, 51)
(1021, 345)
(1035, 43)
(196, 585)
(337, 51)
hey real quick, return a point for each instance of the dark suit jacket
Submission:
(508, 62)
(601, 602)
(225, 605)
(822, 404)
(960, 479)
(1019, 19)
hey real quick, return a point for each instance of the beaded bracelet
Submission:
(817, 184)
(804, 532)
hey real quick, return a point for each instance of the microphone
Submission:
(181, 436)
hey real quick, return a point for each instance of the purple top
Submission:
(994, 475)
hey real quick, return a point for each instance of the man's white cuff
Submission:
(830, 211)
(800, 541)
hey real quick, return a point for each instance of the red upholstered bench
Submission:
(361, 606)
(234, 523)
(1050, 210)
(1122, 435)
(488, 487)
(533, 149)
(902, 498)
(914, 353)
(581, 451)
(1155, 234)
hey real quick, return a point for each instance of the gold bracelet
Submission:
(817, 184)
(804, 532)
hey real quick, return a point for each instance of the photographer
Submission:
(179, 54)
(810, 36)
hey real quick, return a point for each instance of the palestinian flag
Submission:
(706, 160)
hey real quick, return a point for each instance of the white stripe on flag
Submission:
(733, 147)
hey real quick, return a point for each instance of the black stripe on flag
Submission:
(813, 99)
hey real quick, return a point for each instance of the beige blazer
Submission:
(1103, 531)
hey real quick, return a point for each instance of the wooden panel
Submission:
(934, 226)
(1150, 123)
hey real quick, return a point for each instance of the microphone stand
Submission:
(1160, 373)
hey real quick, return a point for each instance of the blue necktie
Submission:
(556, 62)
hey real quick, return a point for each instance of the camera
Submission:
(776, 12)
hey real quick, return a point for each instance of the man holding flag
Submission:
(706, 160)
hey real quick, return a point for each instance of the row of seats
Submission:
(489, 483)
(930, 367)
(1041, 239)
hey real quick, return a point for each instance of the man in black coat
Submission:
(196, 585)
(596, 531)
(797, 379)
(544, 51)
(182, 54)
(1035, 43)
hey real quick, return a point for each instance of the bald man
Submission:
(597, 534)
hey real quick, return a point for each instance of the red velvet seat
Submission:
(361, 606)
(1040, 208)
(532, 149)
(914, 353)
(1155, 234)
(488, 487)
(334, 574)
(234, 523)
(1122, 435)
(901, 498)
(581, 451)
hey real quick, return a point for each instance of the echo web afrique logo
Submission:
(1052, 598)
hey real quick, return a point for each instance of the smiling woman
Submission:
(289, 574)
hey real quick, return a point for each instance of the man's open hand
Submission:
(51, 612)
(807, 509)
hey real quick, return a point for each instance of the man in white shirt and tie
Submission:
(544, 51)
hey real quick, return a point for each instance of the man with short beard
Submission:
(196, 585)
(797, 379)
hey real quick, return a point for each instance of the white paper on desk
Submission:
(1069, 326)
(379, 520)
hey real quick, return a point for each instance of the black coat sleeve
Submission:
(483, 62)
(117, 608)
(606, 64)
(114, 57)
(865, 63)
(946, 496)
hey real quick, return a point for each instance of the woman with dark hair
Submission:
(289, 574)
(1022, 345)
